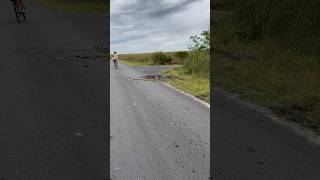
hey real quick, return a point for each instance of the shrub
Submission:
(161, 58)
(294, 24)
(198, 62)
(181, 55)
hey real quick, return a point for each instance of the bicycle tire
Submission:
(24, 14)
(17, 12)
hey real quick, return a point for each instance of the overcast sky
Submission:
(156, 25)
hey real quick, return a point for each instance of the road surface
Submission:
(249, 145)
(53, 95)
(156, 132)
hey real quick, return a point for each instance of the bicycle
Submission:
(19, 8)
(115, 62)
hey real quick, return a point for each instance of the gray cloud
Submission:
(153, 25)
(156, 9)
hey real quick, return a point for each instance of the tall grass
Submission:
(295, 24)
(194, 74)
(283, 36)
(197, 62)
(291, 88)
(161, 58)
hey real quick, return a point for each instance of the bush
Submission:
(181, 55)
(161, 58)
(294, 24)
(198, 62)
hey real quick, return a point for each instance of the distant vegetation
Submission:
(181, 55)
(288, 25)
(269, 51)
(161, 58)
(150, 58)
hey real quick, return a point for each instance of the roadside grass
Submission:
(137, 63)
(285, 82)
(187, 78)
(194, 76)
(84, 6)
(192, 83)
(262, 53)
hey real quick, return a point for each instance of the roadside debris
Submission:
(154, 77)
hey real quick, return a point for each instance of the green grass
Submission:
(84, 6)
(193, 83)
(287, 84)
(137, 63)
(265, 56)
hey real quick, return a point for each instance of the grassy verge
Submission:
(263, 54)
(137, 63)
(291, 88)
(86, 6)
(192, 83)
(265, 57)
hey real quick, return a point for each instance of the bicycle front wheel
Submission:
(24, 13)
(17, 12)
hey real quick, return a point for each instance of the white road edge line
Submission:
(189, 95)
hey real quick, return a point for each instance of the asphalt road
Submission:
(248, 144)
(156, 132)
(54, 124)
(53, 95)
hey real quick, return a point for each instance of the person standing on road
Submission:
(115, 58)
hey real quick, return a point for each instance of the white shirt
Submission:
(114, 56)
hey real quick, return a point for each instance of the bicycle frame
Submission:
(115, 62)
(18, 7)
